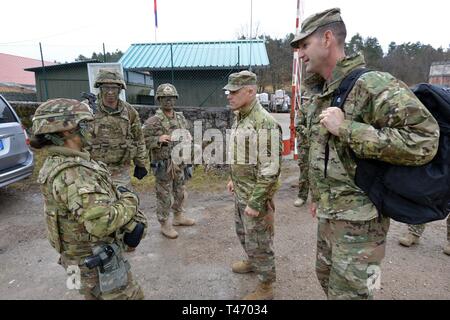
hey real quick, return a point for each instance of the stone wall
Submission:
(218, 118)
(19, 96)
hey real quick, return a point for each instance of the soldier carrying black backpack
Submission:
(410, 194)
(381, 120)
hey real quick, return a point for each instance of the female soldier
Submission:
(89, 221)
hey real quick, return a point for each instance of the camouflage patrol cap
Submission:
(166, 90)
(313, 22)
(239, 79)
(58, 115)
(109, 76)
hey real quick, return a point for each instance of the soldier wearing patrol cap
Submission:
(170, 176)
(381, 119)
(255, 170)
(90, 222)
(117, 137)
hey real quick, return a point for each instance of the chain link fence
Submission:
(197, 85)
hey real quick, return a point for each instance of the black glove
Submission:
(188, 172)
(140, 172)
(133, 238)
(123, 189)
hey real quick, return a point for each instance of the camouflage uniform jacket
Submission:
(255, 178)
(117, 135)
(159, 125)
(82, 206)
(300, 126)
(312, 85)
(383, 120)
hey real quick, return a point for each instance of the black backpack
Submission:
(409, 194)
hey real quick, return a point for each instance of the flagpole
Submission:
(156, 17)
(251, 22)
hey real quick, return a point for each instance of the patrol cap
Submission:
(239, 79)
(313, 22)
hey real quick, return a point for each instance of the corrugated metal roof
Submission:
(196, 55)
(64, 65)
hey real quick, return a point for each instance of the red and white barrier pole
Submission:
(296, 86)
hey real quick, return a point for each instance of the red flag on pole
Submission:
(156, 14)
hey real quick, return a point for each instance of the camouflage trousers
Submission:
(120, 175)
(303, 181)
(170, 194)
(349, 254)
(256, 237)
(89, 280)
(417, 229)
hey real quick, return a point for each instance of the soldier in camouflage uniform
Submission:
(415, 232)
(255, 169)
(381, 119)
(170, 176)
(117, 135)
(302, 154)
(310, 87)
(84, 211)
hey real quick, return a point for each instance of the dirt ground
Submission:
(197, 264)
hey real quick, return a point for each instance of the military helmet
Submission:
(166, 90)
(109, 76)
(58, 115)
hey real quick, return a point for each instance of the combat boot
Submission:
(447, 249)
(168, 230)
(408, 239)
(180, 219)
(263, 291)
(243, 266)
(299, 202)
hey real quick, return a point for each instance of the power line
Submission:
(46, 37)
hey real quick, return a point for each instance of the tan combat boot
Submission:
(179, 219)
(263, 291)
(243, 266)
(447, 248)
(299, 202)
(168, 230)
(408, 239)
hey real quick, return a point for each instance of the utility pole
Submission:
(43, 74)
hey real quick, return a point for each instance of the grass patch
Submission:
(202, 180)
(208, 180)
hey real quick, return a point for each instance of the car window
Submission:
(5, 113)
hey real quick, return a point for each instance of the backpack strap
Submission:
(339, 97)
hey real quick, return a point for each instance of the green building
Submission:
(199, 70)
(68, 80)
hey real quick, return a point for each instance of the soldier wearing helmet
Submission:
(170, 177)
(117, 134)
(89, 221)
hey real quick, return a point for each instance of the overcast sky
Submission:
(68, 28)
